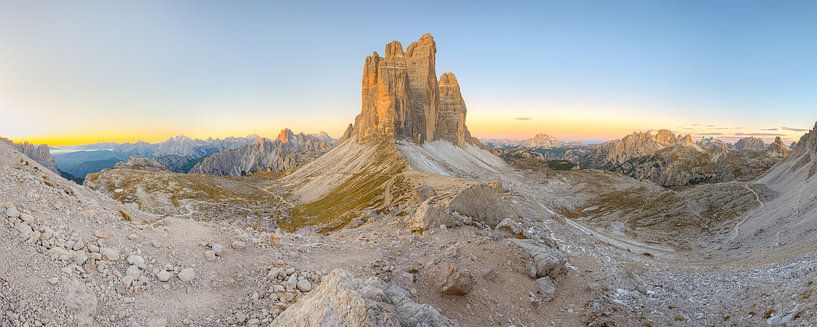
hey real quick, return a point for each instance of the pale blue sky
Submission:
(143, 69)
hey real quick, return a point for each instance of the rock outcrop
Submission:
(286, 153)
(777, 148)
(753, 143)
(402, 98)
(141, 163)
(343, 300)
(37, 152)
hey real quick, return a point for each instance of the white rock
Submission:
(218, 249)
(210, 255)
(546, 288)
(12, 212)
(164, 276)
(110, 253)
(304, 285)
(137, 261)
(292, 282)
(134, 272)
(78, 245)
(24, 230)
(79, 257)
(187, 275)
(127, 281)
(238, 245)
(35, 237)
(273, 273)
(53, 280)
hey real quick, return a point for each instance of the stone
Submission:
(78, 245)
(238, 245)
(292, 282)
(510, 226)
(35, 237)
(111, 254)
(134, 272)
(547, 289)
(273, 273)
(187, 275)
(453, 280)
(304, 285)
(79, 257)
(218, 249)
(127, 281)
(164, 276)
(137, 261)
(543, 261)
(427, 216)
(210, 255)
(12, 212)
(101, 234)
(24, 230)
(53, 280)
(343, 300)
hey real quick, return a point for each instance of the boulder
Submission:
(543, 261)
(482, 204)
(547, 289)
(343, 300)
(428, 216)
(452, 279)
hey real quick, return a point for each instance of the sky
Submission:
(77, 72)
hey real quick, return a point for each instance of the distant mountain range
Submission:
(285, 153)
(663, 157)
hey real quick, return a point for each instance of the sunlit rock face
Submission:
(402, 98)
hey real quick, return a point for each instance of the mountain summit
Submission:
(402, 98)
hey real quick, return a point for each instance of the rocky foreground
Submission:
(407, 222)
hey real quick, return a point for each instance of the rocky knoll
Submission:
(402, 98)
(141, 163)
(37, 152)
(285, 153)
(777, 148)
(344, 300)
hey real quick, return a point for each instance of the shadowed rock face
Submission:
(287, 152)
(451, 115)
(402, 99)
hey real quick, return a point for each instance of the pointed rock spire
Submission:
(402, 98)
(451, 114)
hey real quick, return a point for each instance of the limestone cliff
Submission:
(401, 98)
(37, 152)
(753, 143)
